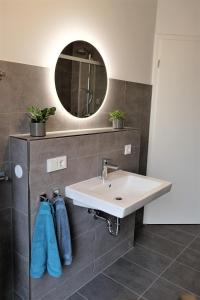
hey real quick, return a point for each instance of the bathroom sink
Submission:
(119, 195)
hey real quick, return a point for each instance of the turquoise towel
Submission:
(44, 254)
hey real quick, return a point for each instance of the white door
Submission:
(174, 151)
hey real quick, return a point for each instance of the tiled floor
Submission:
(164, 264)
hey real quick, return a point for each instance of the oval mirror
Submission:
(81, 79)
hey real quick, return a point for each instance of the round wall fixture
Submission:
(81, 79)
(18, 171)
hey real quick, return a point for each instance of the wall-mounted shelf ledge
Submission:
(66, 133)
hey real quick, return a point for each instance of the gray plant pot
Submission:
(118, 124)
(37, 129)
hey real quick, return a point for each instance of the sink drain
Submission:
(118, 198)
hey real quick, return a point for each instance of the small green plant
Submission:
(116, 115)
(39, 115)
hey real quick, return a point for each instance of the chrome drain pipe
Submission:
(113, 223)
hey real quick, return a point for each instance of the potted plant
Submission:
(117, 119)
(38, 118)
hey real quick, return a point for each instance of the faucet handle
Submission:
(105, 161)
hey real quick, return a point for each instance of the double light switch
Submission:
(56, 163)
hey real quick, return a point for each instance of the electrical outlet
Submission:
(56, 163)
(127, 149)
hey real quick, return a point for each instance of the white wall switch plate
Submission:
(56, 163)
(127, 149)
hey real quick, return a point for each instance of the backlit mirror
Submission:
(81, 79)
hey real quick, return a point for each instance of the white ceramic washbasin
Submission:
(133, 190)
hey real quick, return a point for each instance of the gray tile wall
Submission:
(26, 85)
(93, 247)
(20, 218)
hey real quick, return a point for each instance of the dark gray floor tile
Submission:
(104, 288)
(192, 229)
(191, 258)
(171, 233)
(196, 244)
(164, 290)
(184, 277)
(148, 259)
(158, 244)
(130, 275)
(76, 297)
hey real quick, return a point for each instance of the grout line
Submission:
(158, 276)
(180, 230)
(164, 238)
(185, 265)
(156, 279)
(100, 272)
(154, 251)
(20, 212)
(82, 296)
(179, 262)
(189, 233)
(142, 297)
(5, 208)
(178, 286)
(174, 230)
(26, 258)
(107, 252)
(157, 252)
(173, 261)
(124, 286)
(18, 295)
(140, 266)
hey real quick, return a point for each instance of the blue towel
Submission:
(63, 231)
(45, 255)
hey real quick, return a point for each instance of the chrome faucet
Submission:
(105, 166)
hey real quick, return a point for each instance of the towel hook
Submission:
(2, 75)
(43, 198)
(3, 176)
(56, 193)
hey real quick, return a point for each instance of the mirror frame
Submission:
(106, 77)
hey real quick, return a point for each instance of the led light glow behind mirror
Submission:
(81, 79)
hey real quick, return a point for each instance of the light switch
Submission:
(56, 163)
(127, 149)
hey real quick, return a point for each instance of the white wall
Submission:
(174, 131)
(35, 31)
(180, 17)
